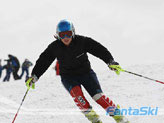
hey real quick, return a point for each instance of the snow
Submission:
(51, 103)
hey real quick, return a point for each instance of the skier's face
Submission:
(66, 40)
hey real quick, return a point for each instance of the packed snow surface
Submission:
(51, 103)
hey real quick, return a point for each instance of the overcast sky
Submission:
(132, 30)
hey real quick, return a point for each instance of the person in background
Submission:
(57, 68)
(25, 68)
(0, 68)
(16, 65)
(9, 69)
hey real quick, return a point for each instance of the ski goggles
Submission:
(67, 34)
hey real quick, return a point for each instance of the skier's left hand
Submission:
(115, 67)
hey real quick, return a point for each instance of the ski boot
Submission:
(120, 118)
(92, 116)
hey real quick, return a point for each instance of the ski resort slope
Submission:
(51, 103)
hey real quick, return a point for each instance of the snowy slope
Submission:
(50, 102)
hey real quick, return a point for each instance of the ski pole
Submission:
(143, 76)
(20, 105)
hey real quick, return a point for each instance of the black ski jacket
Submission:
(73, 59)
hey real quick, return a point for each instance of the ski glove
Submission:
(115, 67)
(30, 82)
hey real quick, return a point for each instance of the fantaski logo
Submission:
(133, 111)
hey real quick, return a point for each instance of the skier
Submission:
(0, 68)
(16, 65)
(71, 51)
(57, 68)
(9, 69)
(25, 68)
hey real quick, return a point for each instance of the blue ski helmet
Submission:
(65, 25)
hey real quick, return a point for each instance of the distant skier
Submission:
(57, 68)
(25, 68)
(0, 69)
(9, 69)
(75, 70)
(16, 65)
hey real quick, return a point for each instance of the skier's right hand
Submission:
(30, 82)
